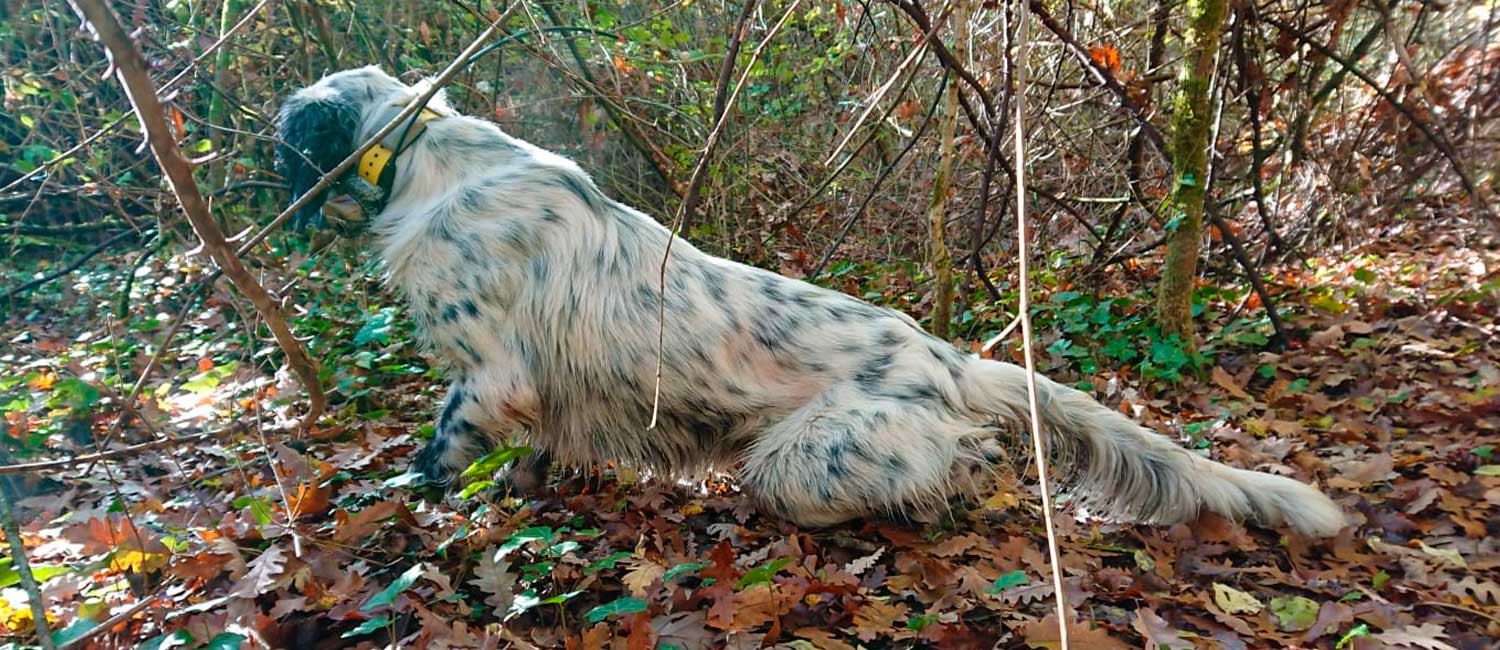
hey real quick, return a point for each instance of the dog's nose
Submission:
(343, 211)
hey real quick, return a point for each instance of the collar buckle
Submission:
(375, 165)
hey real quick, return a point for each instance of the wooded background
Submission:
(1224, 195)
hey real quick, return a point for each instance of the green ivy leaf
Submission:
(225, 641)
(388, 595)
(367, 627)
(475, 487)
(1008, 580)
(918, 623)
(762, 573)
(689, 567)
(76, 393)
(180, 638)
(615, 608)
(77, 629)
(520, 539)
(1356, 632)
(43, 573)
(204, 382)
(377, 328)
(489, 463)
(1168, 354)
(560, 598)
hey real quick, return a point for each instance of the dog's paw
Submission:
(431, 465)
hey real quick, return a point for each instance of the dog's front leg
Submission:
(480, 408)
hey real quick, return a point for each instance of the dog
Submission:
(541, 296)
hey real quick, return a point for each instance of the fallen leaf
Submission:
(1294, 613)
(1331, 617)
(262, 574)
(823, 639)
(494, 578)
(875, 618)
(1226, 381)
(640, 578)
(1158, 633)
(1358, 473)
(1446, 555)
(861, 565)
(1328, 338)
(1044, 634)
(1423, 636)
(1234, 601)
(1483, 592)
(360, 524)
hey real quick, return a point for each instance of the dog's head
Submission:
(320, 125)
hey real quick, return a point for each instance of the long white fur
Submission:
(540, 295)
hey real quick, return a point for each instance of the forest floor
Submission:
(1389, 399)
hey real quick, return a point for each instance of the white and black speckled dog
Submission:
(541, 295)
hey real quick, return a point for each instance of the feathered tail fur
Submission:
(1118, 468)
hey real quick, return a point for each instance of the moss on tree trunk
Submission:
(1191, 117)
(939, 258)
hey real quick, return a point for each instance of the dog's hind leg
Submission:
(846, 455)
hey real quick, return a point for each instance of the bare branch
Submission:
(133, 74)
(1437, 139)
(113, 454)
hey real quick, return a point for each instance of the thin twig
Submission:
(83, 639)
(1444, 147)
(224, 38)
(129, 66)
(66, 154)
(622, 118)
(682, 214)
(1280, 340)
(1102, 75)
(913, 9)
(124, 452)
(874, 99)
(1024, 313)
(784, 217)
(71, 266)
(844, 230)
(23, 568)
(161, 350)
(722, 103)
(1252, 93)
(166, 87)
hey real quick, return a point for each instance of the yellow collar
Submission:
(374, 166)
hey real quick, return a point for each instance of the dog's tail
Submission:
(1118, 468)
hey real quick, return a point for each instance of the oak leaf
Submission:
(494, 578)
(262, 574)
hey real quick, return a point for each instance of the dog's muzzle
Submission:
(350, 205)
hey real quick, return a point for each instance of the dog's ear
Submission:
(316, 130)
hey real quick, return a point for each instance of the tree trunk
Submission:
(1191, 118)
(939, 259)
